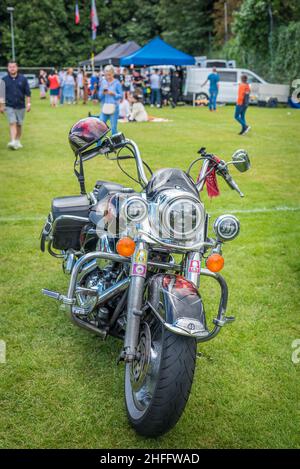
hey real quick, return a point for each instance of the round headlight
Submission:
(135, 209)
(182, 217)
(227, 227)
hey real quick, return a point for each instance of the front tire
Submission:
(157, 386)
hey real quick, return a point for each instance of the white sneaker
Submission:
(12, 145)
(152, 105)
(18, 144)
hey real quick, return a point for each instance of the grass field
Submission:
(60, 386)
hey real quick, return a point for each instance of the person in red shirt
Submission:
(54, 85)
(242, 104)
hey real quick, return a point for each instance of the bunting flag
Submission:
(77, 15)
(94, 19)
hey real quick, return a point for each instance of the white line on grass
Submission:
(261, 210)
(213, 212)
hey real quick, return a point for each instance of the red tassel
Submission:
(212, 184)
(211, 180)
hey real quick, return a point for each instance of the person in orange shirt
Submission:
(242, 104)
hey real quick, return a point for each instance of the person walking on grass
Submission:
(242, 104)
(54, 85)
(16, 89)
(61, 75)
(43, 84)
(126, 83)
(85, 82)
(155, 85)
(110, 94)
(69, 87)
(175, 88)
(213, 79)
(79, 82)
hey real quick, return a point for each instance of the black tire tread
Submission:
(176, 374)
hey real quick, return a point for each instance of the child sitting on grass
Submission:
(138, 112)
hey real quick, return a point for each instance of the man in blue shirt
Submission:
(16, 89)
(213, 79)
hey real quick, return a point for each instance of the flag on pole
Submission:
(77, 15)
(94, 19)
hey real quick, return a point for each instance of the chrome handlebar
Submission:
(202, 175)
(139, 162)
(230, 181)
(223, 171)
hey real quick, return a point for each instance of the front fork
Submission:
(136, 291)
(193, 267)
(135, 300)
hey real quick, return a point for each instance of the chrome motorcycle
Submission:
(135, 261)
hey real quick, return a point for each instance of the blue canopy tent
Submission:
(157, 52)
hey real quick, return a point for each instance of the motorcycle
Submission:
(135, 261)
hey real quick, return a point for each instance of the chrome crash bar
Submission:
(219, 321)
(87, 263)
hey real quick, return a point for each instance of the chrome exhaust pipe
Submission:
(108, 293)
(79, 266)
(112, 291)
(89, 327)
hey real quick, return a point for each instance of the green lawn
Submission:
(60, 386)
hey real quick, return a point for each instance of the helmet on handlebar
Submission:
(86, 131)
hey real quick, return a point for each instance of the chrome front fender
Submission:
(177, 303)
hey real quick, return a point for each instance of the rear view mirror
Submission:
(241, 160)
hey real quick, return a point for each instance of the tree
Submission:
(143, 25)
(287, 57)
(187, 25)
(39, 32)
(257, 27)
(46, 33)
(219, 19)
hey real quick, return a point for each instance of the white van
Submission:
(261, 91)
(204, 62)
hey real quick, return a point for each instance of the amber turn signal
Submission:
(215, 262)
(125, 247)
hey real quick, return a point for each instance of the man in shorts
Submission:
(16, 89)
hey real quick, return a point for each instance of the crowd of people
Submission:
(64, 86)
(122, 94)
(158, 87)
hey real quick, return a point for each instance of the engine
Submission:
(90, 288)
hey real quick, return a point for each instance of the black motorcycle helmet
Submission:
(86, 131)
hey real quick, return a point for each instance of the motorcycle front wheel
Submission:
(158, 383)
